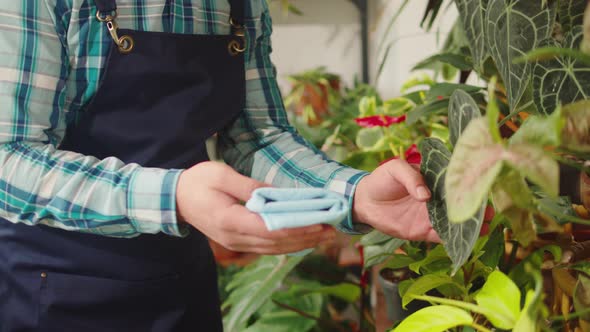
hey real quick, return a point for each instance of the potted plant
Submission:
(312, 93)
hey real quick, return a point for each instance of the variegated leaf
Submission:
(462, 109)
(571, 13)
(473, 15)
(562, 80)
(514, 28)
(458, 239)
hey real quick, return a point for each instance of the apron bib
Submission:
(162, 95)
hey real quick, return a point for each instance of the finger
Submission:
(411, 179)
(252, 244)
(239, 219)
(235, 184)
(432, 236)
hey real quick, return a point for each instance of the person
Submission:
(107, 194)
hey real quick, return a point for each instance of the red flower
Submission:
(379, 121)
(412, 155)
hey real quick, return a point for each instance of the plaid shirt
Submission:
(52, 57)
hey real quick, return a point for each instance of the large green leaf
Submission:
(576, 134)
(472, 14)
(474, 166)
(435, 319)
(458, 239)
(582, 294)
(500, 298)
(515, 27)
(571, 13)
(561, 80)
(462, 109)
(426, 283)
(253, 287)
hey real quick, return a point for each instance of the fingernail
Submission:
(423, 192)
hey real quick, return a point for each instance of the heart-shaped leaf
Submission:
(571, 13)
(514, 28)
(458, 239)
(472, 14)
(474, 166)
(561, 80)
(500, 298)
(435, 319)
(462, 109)
(478, 161)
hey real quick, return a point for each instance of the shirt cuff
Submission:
(151, 202)
(345, 181)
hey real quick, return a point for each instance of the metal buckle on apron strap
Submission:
(125, 43)
(235, 47)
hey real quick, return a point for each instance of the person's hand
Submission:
(209, 196)
(392, 199)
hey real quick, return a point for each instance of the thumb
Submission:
(410, 178)
(237, 185)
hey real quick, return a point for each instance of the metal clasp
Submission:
(236, 47)
(124, 43)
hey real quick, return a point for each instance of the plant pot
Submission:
(389, 280)
(317, 97)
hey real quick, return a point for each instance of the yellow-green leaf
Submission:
(435, 319)
(500, 298)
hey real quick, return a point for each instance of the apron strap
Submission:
(106, 6)
(237, 11)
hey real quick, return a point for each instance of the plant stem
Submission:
(570, 316)
(572, 219)
(480, 328)
(514, 113)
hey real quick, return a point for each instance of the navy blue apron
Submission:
(161, 96)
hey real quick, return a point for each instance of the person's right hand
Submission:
(209, 196)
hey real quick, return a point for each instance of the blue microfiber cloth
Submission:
(291, 208)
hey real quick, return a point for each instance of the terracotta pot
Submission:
(316, 97)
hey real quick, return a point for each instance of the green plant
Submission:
(281, 293)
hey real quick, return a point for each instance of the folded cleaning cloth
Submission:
(291, 208)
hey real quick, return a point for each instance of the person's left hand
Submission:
(392, 200)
